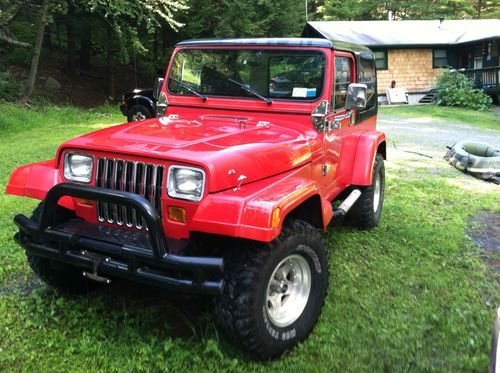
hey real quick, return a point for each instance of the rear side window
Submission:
(343, 78)
(367, 75)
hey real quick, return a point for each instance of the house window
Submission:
(478, 57)
(439, 58)
(381, 60)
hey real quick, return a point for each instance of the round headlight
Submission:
(186, 183)
(78, 167)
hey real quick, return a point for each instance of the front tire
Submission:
(273, 294)
(60, 276)
(367, 210)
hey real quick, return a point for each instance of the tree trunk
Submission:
(85, 46)
(47, 38)
(479, 8)
(58, 34)
(111, 67)
(70, 33)
(36, 51)
(155, 46)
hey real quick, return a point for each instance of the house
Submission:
(413, 53)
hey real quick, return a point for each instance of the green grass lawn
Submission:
(488, 119)
(410, 295)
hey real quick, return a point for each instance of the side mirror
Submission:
(157, 88)
(160, 97)
(356, 96)
(318, 116)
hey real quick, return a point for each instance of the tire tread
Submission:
(233, 307)
(361, 214)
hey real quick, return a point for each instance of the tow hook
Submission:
(97, 260)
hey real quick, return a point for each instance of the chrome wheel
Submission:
(377, 192)
(138, 116)
(288, 290)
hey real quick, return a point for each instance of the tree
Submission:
(487, 8)
(125, 20)
(42, 21)
(281, 17)
(8, 12)
(402, 9)
(348, 10)
(115, 28)
(239, 18)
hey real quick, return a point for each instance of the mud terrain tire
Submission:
(367, 210)
(260, 280)
(62, 277)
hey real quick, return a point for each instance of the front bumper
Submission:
(139, 256)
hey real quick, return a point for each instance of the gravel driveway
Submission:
(420, 143)
(431, 136)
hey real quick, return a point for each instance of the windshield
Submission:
(257, 73)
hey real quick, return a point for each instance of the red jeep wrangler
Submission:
(227, 191)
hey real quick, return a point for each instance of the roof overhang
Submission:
(405, 33)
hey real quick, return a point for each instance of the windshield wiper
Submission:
(251, 91)
(193, 91)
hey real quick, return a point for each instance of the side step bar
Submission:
(346, 205)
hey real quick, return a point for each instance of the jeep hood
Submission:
(226, 147)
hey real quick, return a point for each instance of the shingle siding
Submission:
(410, 68)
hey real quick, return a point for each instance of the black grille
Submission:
(144, 179)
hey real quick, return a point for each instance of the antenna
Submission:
(306, 11)
(135, 71)
(135, 65)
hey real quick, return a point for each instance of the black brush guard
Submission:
(111, 251)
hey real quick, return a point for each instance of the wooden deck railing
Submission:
(487, 79)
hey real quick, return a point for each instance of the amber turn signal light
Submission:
(275, 218)
(177, 214)
(85, 202)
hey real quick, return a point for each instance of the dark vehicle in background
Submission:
(138, 104)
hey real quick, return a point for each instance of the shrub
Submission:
(9, 87)
(456, 89)
(19, 57)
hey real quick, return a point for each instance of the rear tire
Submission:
(65, 278)
(367, 210)
(273, 294)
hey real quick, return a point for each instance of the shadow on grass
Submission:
(145, 311)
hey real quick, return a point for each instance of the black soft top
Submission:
(276, 42)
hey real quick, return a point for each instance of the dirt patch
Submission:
(21, 285)
(484, 230)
